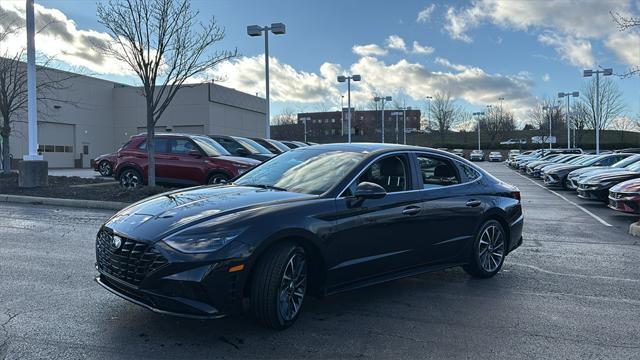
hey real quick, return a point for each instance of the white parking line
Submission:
(600, 220)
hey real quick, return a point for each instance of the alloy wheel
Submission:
(105, 168)
(217, 179)
(491, 248)
(293, 286)
(130, 179)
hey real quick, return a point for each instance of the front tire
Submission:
(130, 179)
(217, 178)
(488, 251)
(279, 285)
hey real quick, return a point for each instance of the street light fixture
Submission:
(568, 95)
(348, 80)
(382, 99)
(589, 73)
(255, 30)
(477, 115)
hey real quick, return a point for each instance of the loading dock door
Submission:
(55, 143)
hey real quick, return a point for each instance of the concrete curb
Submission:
(89, 204)
(634, 229)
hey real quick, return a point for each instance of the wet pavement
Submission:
(572, 291)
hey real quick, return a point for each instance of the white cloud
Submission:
(60, 38)
(446, 63)
(287, 84)
(425, 14)
(395, 42)
(457, 23)
(575, 51)
(546, 77)
(369, 50)
(626, 46)
(421, 49)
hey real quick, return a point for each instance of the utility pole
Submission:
(348, 80)
(568, 95)
(382, 100)
(589, 73)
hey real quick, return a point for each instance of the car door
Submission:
(186, 167)
(376, 236)
(163, 160)
(451, 203)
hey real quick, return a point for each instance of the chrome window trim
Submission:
(408, 152)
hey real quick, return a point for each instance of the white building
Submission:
(92, 116)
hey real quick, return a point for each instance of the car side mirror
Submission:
(242, 151)
(195, 153)
(369, 190)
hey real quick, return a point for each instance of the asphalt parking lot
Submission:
(572, 291)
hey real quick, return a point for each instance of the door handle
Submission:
(411, 210)
(474, 203)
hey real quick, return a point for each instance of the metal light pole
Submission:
(477, 115)
(382, 99)
(404, 124)
(341, 115)
(547, 108)
(589, 73)
(348, 80)
(429, 112)
(568, 95)
(255, 30)
(32, 112)
(396, 114)
(304, 121)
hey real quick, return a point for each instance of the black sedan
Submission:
(597, 187)
(558, 176)
(312, 221)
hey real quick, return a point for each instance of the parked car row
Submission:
(612, 178)
(186, 159)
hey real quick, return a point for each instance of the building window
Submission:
(333, 120)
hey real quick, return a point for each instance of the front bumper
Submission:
(593, 194)
(158, 303)
(551, 180)
(628, 204)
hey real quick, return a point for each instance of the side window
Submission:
(470, 173)
(392, 173)
(181, 146)
(162, 145)
(230, 145)
(436, 172)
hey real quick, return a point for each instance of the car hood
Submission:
(608, 177)
(630, 186)
(589, 169)
(592, 171)
(565, 168)
(156, 217)
(239, 160)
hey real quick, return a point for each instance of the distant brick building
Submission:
(363, 123)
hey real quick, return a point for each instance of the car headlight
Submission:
(194, 243)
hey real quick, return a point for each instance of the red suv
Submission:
(180, 159)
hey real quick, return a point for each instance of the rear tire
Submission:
(279, 285)
(105, 168)
(488, 251)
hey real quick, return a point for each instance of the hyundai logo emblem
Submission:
(116, 242)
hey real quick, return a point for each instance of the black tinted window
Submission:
(390, 172)
(470, 173)
(436, 172)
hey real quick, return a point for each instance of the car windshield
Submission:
(252, 146)
(279, 145)
(579, 160)
(209, 146)
(309, 171)
(634, 167)
(627, 161)
(593, 159)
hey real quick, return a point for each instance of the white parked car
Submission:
(476, 155)
(495, 156)
(458, 152)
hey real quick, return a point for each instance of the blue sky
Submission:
(475, 50)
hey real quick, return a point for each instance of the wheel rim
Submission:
(217, 179)
(292, 287)
(105, 168)
(129, 179)
(491, 248)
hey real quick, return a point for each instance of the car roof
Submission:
(370, 148)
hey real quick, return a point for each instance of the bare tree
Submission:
(544, 114)
(445, 113)
(496, 123)
(159, 41)
(627, 23)
(286, 124)
(610, 104)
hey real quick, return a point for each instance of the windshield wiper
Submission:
(265, 186)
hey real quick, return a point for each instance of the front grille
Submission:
(131, 262)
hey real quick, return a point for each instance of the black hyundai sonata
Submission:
(312, 221)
